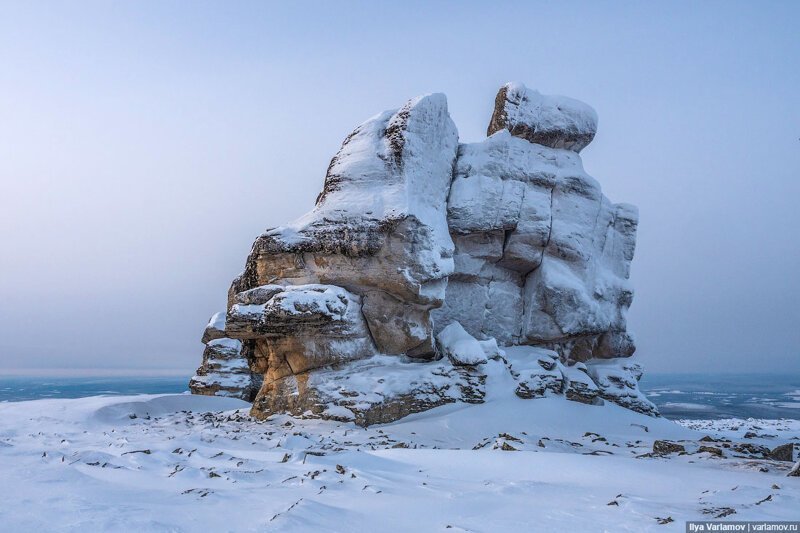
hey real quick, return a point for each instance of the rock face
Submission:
(541, 256)
(435, 252)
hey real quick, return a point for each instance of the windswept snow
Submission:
(197, 463)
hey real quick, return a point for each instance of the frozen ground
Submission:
(191, 463)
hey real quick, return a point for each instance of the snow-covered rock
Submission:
(420, 247)
(550, 267)
(296, 328)
(379, 228)
(460, 347)
(371, 391)
(537, 372)
(225, 371)
(215, 329)
(618, 382)
(578, 385)
(554, 121)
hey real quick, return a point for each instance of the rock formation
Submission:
(424, 260)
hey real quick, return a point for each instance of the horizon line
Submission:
(94, 372)
(176, 372)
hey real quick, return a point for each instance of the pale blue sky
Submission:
(143, 146)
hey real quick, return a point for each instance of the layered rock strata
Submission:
(424, 259)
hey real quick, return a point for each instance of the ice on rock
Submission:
(503, 251)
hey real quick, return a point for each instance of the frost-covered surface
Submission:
(737, 428)
(541, 255)
(384, 388)
(193, 463)
(538, 372)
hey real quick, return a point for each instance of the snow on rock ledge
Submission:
(224, 372)
(418, 247)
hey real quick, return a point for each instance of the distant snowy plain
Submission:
(194, 463)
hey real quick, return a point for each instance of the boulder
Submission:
(713, 450)
(784, 452)
(665, 447)
(554, 121)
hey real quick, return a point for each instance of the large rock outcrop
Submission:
(541, 255)
(420, 247)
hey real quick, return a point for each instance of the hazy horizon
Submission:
(143, 147)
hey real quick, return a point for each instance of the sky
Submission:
(144, 145)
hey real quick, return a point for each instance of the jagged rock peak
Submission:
(549, 120)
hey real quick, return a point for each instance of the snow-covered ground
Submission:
(195, 463)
